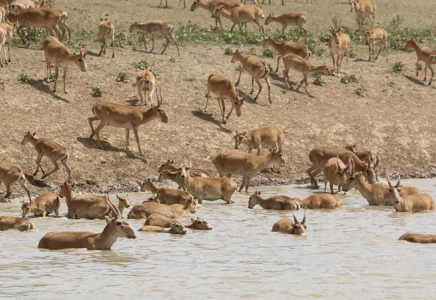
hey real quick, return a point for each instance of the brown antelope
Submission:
(19, 5)
(290, 19)
(53, 150)
(166, 195)
(257, 68)
(321, 201)
(418, 238)
(123, 202)
(17, 223)
(166, 3)
(286, 225)
(159, 28)
(247, 164)
(7, 32)
(336, 172)
(106, 29)
(277, 202)
(367, 156)
(268, 136)
(210, 6)
(377, 36)
(3, 40)
(57, 53)
(199, 224)
(221, 86)
(124, 116)
(173, 211)
(146, 85)
(363, 9)
(174, 229)
(43, 205)
(287, 47)
(160, 221)
(115, 228)
(425, 54)
(2, 13)
(195, 172)
(320, 155)
(173, 176)
(339, 46)
(208, 188)
(409, 203)
(240, 15)
(10, 173)
(298, 64)
(63, 24)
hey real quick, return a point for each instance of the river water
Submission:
(350, 253)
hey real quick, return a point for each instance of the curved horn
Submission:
(337, 163)
(304, 217)
(376, 160)
(399, 180)
(160, 96)
(113, 208)
(295, 218)
(388, 179)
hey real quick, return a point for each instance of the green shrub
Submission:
(122, 77)
(349, 79)
(228, 51)
(267, 52)
(360, 92)
(23, 78)
(318, 80)
(398, 66)
(172, 59)
(141, 65)
(97, 91)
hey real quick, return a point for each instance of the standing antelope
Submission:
(4, 37)
(425, 54)
(367, 156)
(115, 228)
(210, 6)
(377, 36)
(257, 68)
(124, 116)
(290, 19)
(339, 45)
(159, 28)
(287, 47)
(277, 202)
(240, 15)
(336, 172)
(363, 9)
(105, 29)
(221, 86)
(247, 164)
(286, 225)
(146, 85)
(57, 53)
(268, 136)
(43, 205)
(10, 173)
(47, 147)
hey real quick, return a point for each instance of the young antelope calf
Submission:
(425, 54)
(286, 225)
(268, 136)
(377, 36)
(10, 173)
(290, 19)
(106, 29)
(146, 85)
(43, 205)
(278, 202)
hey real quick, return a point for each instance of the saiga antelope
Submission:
(335, 172)
(53, 150)
(210, 6)
(196, 172)
(166, 3)
(290, 19)
(425, 54)
(241, 15)
(43, 205)
(418, 238)
(367, 156)
(166, 195)
(160, 221)
(320, 201)
(221, 86)
(5, 37)
(106, 29)
(277, 202)
(146, 85)
(175, 228)
(286, 225)
(377, 36)
(339, 46)
(173, 211)
(363, 9)
(199, 224)
(21, 224)
(159, 28)
(10, 173)
(268, 136)
(124, 116)
(257, 68)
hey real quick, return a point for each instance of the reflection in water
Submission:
(349, 253)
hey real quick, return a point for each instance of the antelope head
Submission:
(217, 11)
(410, 44)
(79, 59)
(351, 147)
(237, 102)
(238, 138)
(394, 190)
(195, 5)
(133, 27)
(177, 228)
(270, 40)
(200, 224)
(157, 110)
(277, 157)
(299, 228)
(66, 188)
(237, 56)
(124, 201)
(353, 5)
(335, 30)
(269, 19)
(25, 208)
(27, 137)
(254, 199)
(120, 227)
(165, 165)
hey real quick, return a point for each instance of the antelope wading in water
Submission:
(21, 224)
(10, 173)
(367, 156)
(210, 6)
(335, 172)
(363, 9)
(375, 37)
(268, 136)
(286, 225)
(57, 53)
(159, 28)
(194, 172)
(42, 206)
(249, 165)
(287, 47)
(106, 29)
(290, 19)
(173, 211)
(124, 116)
(146, 85)
(115, 228)
(221, 86)
(241, 15)
(321, 201)
(160, 221)
(175, 228)
(339, 46)
(53, 150)
(257, 68)
(425, 54)
(277, 202)
(166, 195)
(320, 155)
(418, 238)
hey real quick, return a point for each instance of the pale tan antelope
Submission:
(158, 28)
(290, 19)
(173, 211)
(257, 68)
(247, 164)
(4, 38)
(123, 202)
(174, 229)
(287, 47)
(418, 238)
(210, 6)
(364, 9)
(2, 13)
(367, 156)
(166, 3)
(320, 155)
(166, 195)
(53, 150)
(211, 189)
(287, 225)
(298, 64)
(10, 173)
(425, 54)
(106, 29)
(321, 201)
(277, 202)
(16, 223)
(173, 176)
(19, 5)
(409, 203)
(339, 46)
(42, 206)
(146, 85)
(221, 86)
(199, 224)
(375, 37)
(160, 221)
(195, 172)
(241, 15)
(268, 136)
(124, 116)
(115, 228)
(335, 172)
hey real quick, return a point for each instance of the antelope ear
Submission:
(73, 184)
(119, 198)
(171, 224)
(108, 219)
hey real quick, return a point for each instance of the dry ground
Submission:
(395, 114)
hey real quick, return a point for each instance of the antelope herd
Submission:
(346, 168)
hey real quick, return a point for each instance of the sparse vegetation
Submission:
(318, 80)
(23, 78)
(2, 84)
(97, 91)
(361, 92)
(122, 77)
(172, 59)
(51, 77)
(141, 65)
(398, 66)
(267, 52)
(349, 79)
(228, 51)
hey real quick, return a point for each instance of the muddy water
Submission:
(351, 253)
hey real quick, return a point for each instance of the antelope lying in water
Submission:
(199, 224)
(166, 195)
(320, 201)
(286, 225)
(268, 136)
(278, 202)
(43, 205)
(10, 173)
(175, 228)
(16, 223)
(174, 211)
(418, 238)
(160, 221)
(115, 228)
